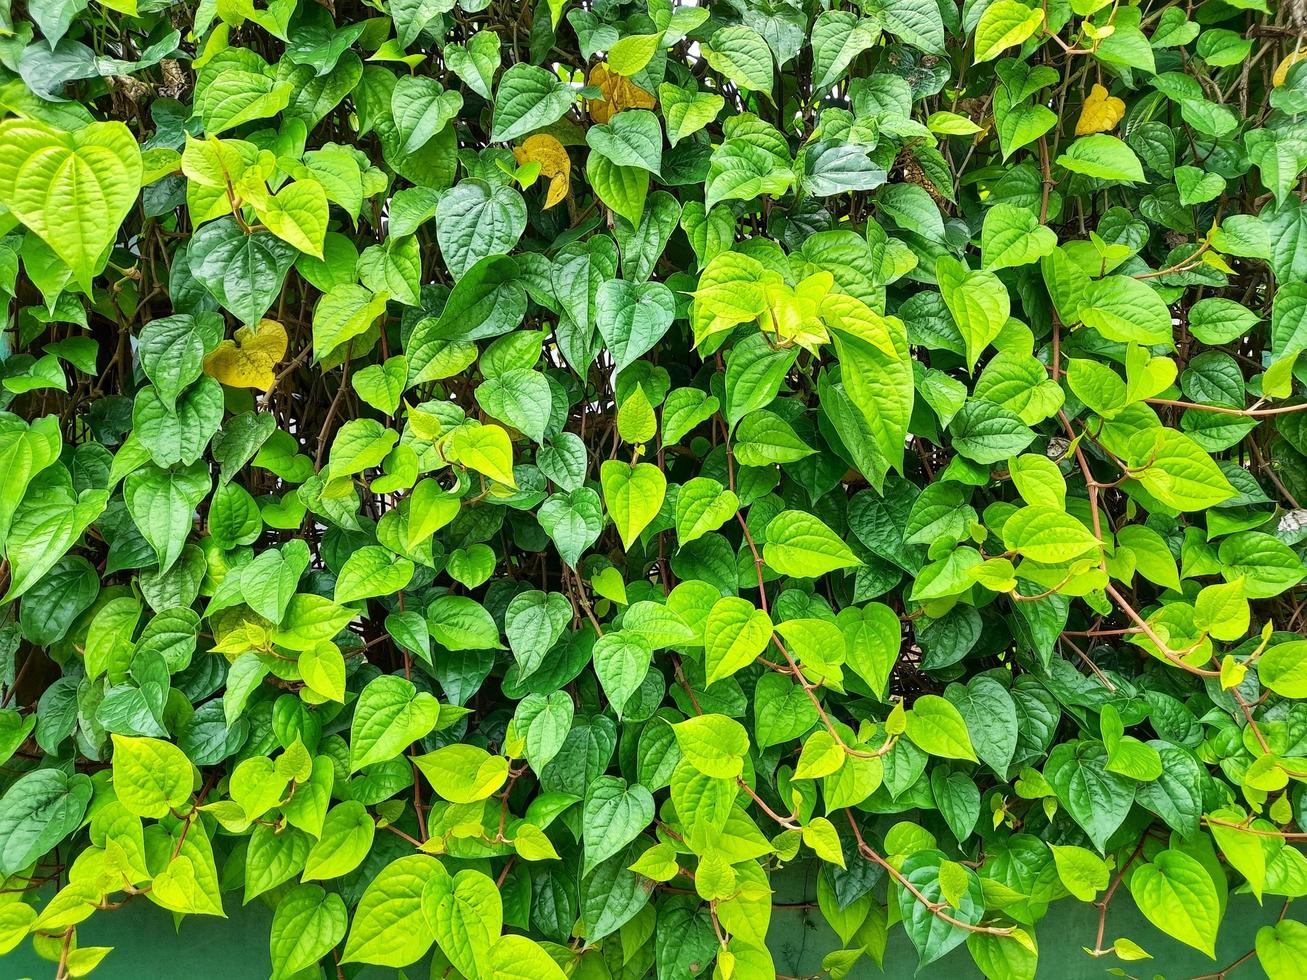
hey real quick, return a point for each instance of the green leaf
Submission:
(475, 221)
(474, 62)
(573, 522)
(1004, 23)
(978, 302)
(630, 139)
(421, 109)
(1103, 157)
(307, 924)
(1283, 668)
(987, 432)
(72, 189)
(391, 926)
(1175, 470)
(243, 271)
(1126, 310)
(622, 189)
(162, 503)
(1282, 949)
(346, 838)
(714, 744)
(631, 53)
(344, 313)
(37, 812)
(685, 112)
(519, 958)
(390, 715)
(741, 54)
(935, 726)
(633, 317)
(372, 571)
(1047, 535)
(613, 815)
(485, 449)
(703, 505)
(150, 776)
(1097, 799)
(543, 721)
(1083, 872)
(837, 38)
(463, 773)
(46, 524)
(802, 546)
(633, 496)
(621, 661)
(1012, 236)
(735, 634)
(1176, 893)
(528, 98)
(467, 919)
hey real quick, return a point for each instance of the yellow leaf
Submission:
(554, 164)
(296, 214)
(619, 93)
(249, 359)
(1100, 113)
(1282, 72)
(484, 448)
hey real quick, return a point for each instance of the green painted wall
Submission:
(150, 948)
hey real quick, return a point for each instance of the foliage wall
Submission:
(497, 482)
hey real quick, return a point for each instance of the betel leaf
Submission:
(978, 302)
(1013, 236)
(528, 98)
(390, 925)
(1003, 24)
(1103, 157)
(38, 811)
(306, 925)
(735, 633)
(632, 318)
(1096, 798)
(936, 727)
(1175, 891)
(801, 545)
(613, 815)
(390, 715)
(633, 496)
(72, 189)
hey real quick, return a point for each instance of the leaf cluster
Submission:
(500, 483)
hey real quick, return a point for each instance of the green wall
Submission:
(236, 948)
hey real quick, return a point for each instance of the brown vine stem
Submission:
(266, 398)
(406, 836)
(1120, 600)
(934, 908)
(1248, 714)
(61, 972)
(1282, 834)
(1089, 662)
(1226, 971)
(789, 823)
(793, 668)
(1149, 632)
(809, 688)
(1223, 410)
(1106, 900)
(1222, 974)
(1175, 269)
(585, 603)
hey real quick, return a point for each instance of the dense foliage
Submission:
(498, 482)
